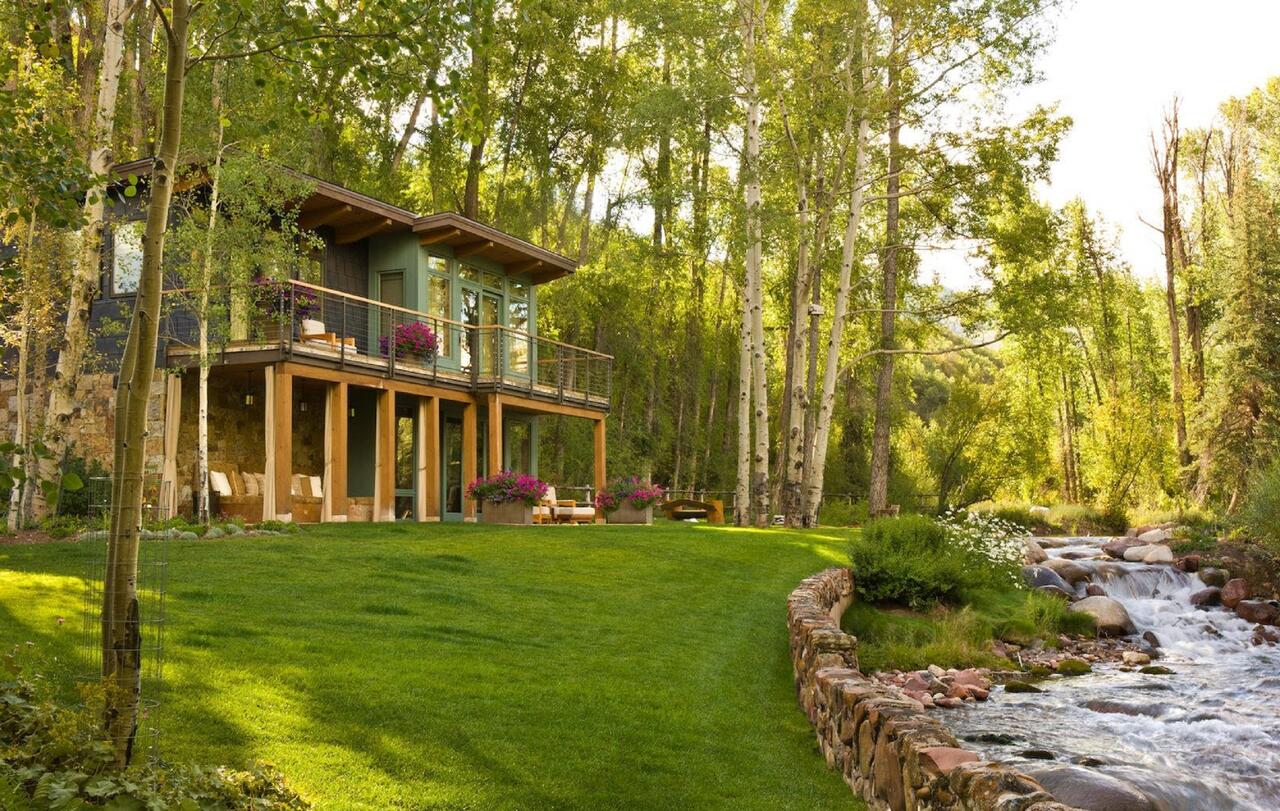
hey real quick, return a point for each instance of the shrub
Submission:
(54, 758)
(76, 501)
(507, 486)
(840, 513)
(63, 526)
(1082, 519)
(631, 489)
(272, 525)
(1259, 518)
(917, 561)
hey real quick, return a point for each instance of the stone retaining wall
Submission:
(889, 750)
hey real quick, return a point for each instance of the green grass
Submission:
(420, 666)
(894, 638)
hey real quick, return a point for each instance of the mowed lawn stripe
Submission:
(445, 666)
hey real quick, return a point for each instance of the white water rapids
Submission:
(1202, 739)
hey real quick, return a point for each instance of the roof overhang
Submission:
(470, 238)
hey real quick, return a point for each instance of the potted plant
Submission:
(507, 497)
(414, 341)
(629, 501)
(279, 302)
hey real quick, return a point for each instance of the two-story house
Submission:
(407, 365)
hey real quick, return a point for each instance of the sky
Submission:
(1114, 66)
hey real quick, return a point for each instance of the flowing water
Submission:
(1205, 738)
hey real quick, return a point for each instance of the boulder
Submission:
(942, 759)
(1021, 687)
(1265, 635)
(1213, 577)
(1151, 639)
(1094, 590)
(1190, 563)
(1068, 570)
(1073, 667)
(1121, 708)
(1261, 612)
(1234, 591)
(1158, 535)
(1149, 553)
(1109, 615)
(1037, 576)
(1207, 597)
(1135, 658)
(1085, 788)
(1117, 547)
(1034, 552)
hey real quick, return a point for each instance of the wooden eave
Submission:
(470, 238)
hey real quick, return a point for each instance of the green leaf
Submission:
(71, 481)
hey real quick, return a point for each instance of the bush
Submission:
(1259, 518)
(55, 758)
(1083, 519)
(63, 526)
(272, 525)
(840, 513)
(918, 561)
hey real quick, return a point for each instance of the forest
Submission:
(754, 192)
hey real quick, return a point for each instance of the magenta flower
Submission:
(506, 487)
(640, 494)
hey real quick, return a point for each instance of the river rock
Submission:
(1094, 590)
(1121, 708)
(1021, 687)
(1135, 658)
(942, 759)
(1116, 548)
(1207, 597)
(1068, 570)
(1109, 615)
(1266, 635)
(1158, 535)
(1262, 612)
(1189, 563)
(1149, 553)
(1084, 788)
(1234, 591)
(1037, 576)
(1211, 576)
(1151, 639)
(1034, 552)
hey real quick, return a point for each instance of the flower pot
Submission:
(626, 514)
(507, 512)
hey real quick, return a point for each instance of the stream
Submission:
(1202, 739)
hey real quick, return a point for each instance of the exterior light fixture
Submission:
(248, 399)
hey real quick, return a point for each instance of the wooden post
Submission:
(335, 454)
(277, 425)
(384, 475)
(469, 452)
(428, 472)
(495, 434)
(599, 464)
(172, 421)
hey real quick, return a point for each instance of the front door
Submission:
(451, 481)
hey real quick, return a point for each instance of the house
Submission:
(406, 366)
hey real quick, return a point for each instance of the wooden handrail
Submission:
(551, 341)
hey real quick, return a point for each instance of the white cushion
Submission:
(317, 489)
(542, 511)
(219, 483)
(551, 494)
(251, 485)
(580, 512)
(310, 326)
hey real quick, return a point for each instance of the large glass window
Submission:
(519, 447)
(518, 341)
(126, 256)
(440, 305)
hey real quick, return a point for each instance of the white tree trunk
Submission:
(815, 472)
(742, 492)
(16, 519)
(63, 405)
(206, 275)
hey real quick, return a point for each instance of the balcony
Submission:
(299, 321)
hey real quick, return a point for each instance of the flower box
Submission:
(626, 514)
(506, 512)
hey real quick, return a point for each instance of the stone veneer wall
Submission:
(889, 750)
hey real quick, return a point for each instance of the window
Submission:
(468, 273)
(440, 305)
(492, 281)
(126, 257)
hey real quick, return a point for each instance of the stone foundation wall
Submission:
(888, 749)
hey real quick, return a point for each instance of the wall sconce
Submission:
(353, 412)
(248, 398)
(302, 406)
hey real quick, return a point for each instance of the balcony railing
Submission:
(297, 318)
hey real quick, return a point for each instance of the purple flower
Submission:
(640, 494)
(507, 486)
(413, 339)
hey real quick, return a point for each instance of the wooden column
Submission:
(172, 421)
(384, 473)
(495, 434)
(335, 453)
(599, 464)
(469, 452)
(277, 499)
(428, 472)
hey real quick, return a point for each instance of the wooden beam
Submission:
(354, 233)
(439, 236)
(547, 407)
(469, 452)
(377, 381)
(599, 471)
(472, 248)
(384, 472)
(280, 419)
(335, 453)
(323, 215)
(428, 474)
(525, 267)
(495, 433)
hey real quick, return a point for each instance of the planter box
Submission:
(511, 512)
(626, 514)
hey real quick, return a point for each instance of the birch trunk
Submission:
(794, 399)
(63, 407)
(742, 491)
(16, 518)
(816, 469)
(206, 275)
(1164, 160)
(878, 500)
(121, 628)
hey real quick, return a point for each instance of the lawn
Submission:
(447, 666)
